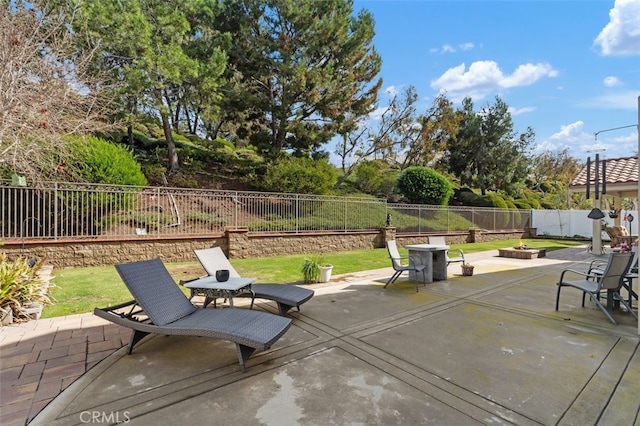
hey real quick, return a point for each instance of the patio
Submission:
(469, 350)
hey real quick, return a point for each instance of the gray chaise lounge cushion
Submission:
(166, 310)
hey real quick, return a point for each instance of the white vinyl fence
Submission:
(575, 223)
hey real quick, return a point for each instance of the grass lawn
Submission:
(79, 290)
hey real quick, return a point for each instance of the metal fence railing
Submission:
(63, 211)
(424, 219)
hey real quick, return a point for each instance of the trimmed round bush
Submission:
(422, 185)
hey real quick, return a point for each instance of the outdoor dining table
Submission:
(434, 257)
(211, 288)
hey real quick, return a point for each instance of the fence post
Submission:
(238, 242)
(388, 233)
(56, 214)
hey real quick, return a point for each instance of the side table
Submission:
(212, 289)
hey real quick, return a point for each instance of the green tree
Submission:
(165, 51)
(435, 128)
(383, 140)
(551, 175)
(376, 178)
(422, 185)
(302, 70)
(486, 153)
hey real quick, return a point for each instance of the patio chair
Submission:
(286, 296)
(611, 279)
(160, 307)
(597, 267)
(404, 263)
(457, 257)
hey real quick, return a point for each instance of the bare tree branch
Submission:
(46, 91)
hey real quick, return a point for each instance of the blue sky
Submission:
(567, 69)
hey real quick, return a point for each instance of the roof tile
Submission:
(618, 170)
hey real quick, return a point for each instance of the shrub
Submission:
(522, 204)
(464, 197)
(97, 161)
(19, 285)
(299, 175)
(422, 185)
(375, 178)
(495, 200)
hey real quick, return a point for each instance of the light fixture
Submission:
(595, 213)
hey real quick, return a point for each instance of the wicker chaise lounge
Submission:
(161, 308)
(287, 296)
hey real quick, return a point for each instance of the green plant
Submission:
(19, 285)
(422, 185)
(96, 160)
(299, 175)
(311, 269)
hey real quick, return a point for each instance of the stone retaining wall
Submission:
(236, 243)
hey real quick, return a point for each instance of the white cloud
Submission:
(392, 90)
(486, 77)
(618, 100)
(611, 81)
(527, 74)
(571, 136)
(520, 111)
(377, 114)
(582, 144)
(447, 48)
(570, 132)
(621, 36)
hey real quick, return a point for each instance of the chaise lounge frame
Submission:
(159, 307)
(286, 296)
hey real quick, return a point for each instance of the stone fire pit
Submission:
(521, 253)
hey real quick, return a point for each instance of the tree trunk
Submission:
(130, 135)
(174, 164)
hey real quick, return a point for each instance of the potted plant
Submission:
(467, 269)
(325, 273)
(315, 270)
(22, 292)
(310, 270)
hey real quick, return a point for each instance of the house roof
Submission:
(621, 175)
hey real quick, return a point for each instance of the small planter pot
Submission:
(467, 271)
(325, 274)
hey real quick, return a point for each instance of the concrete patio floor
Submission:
(486, 349)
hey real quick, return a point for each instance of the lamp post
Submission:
(595, 213)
